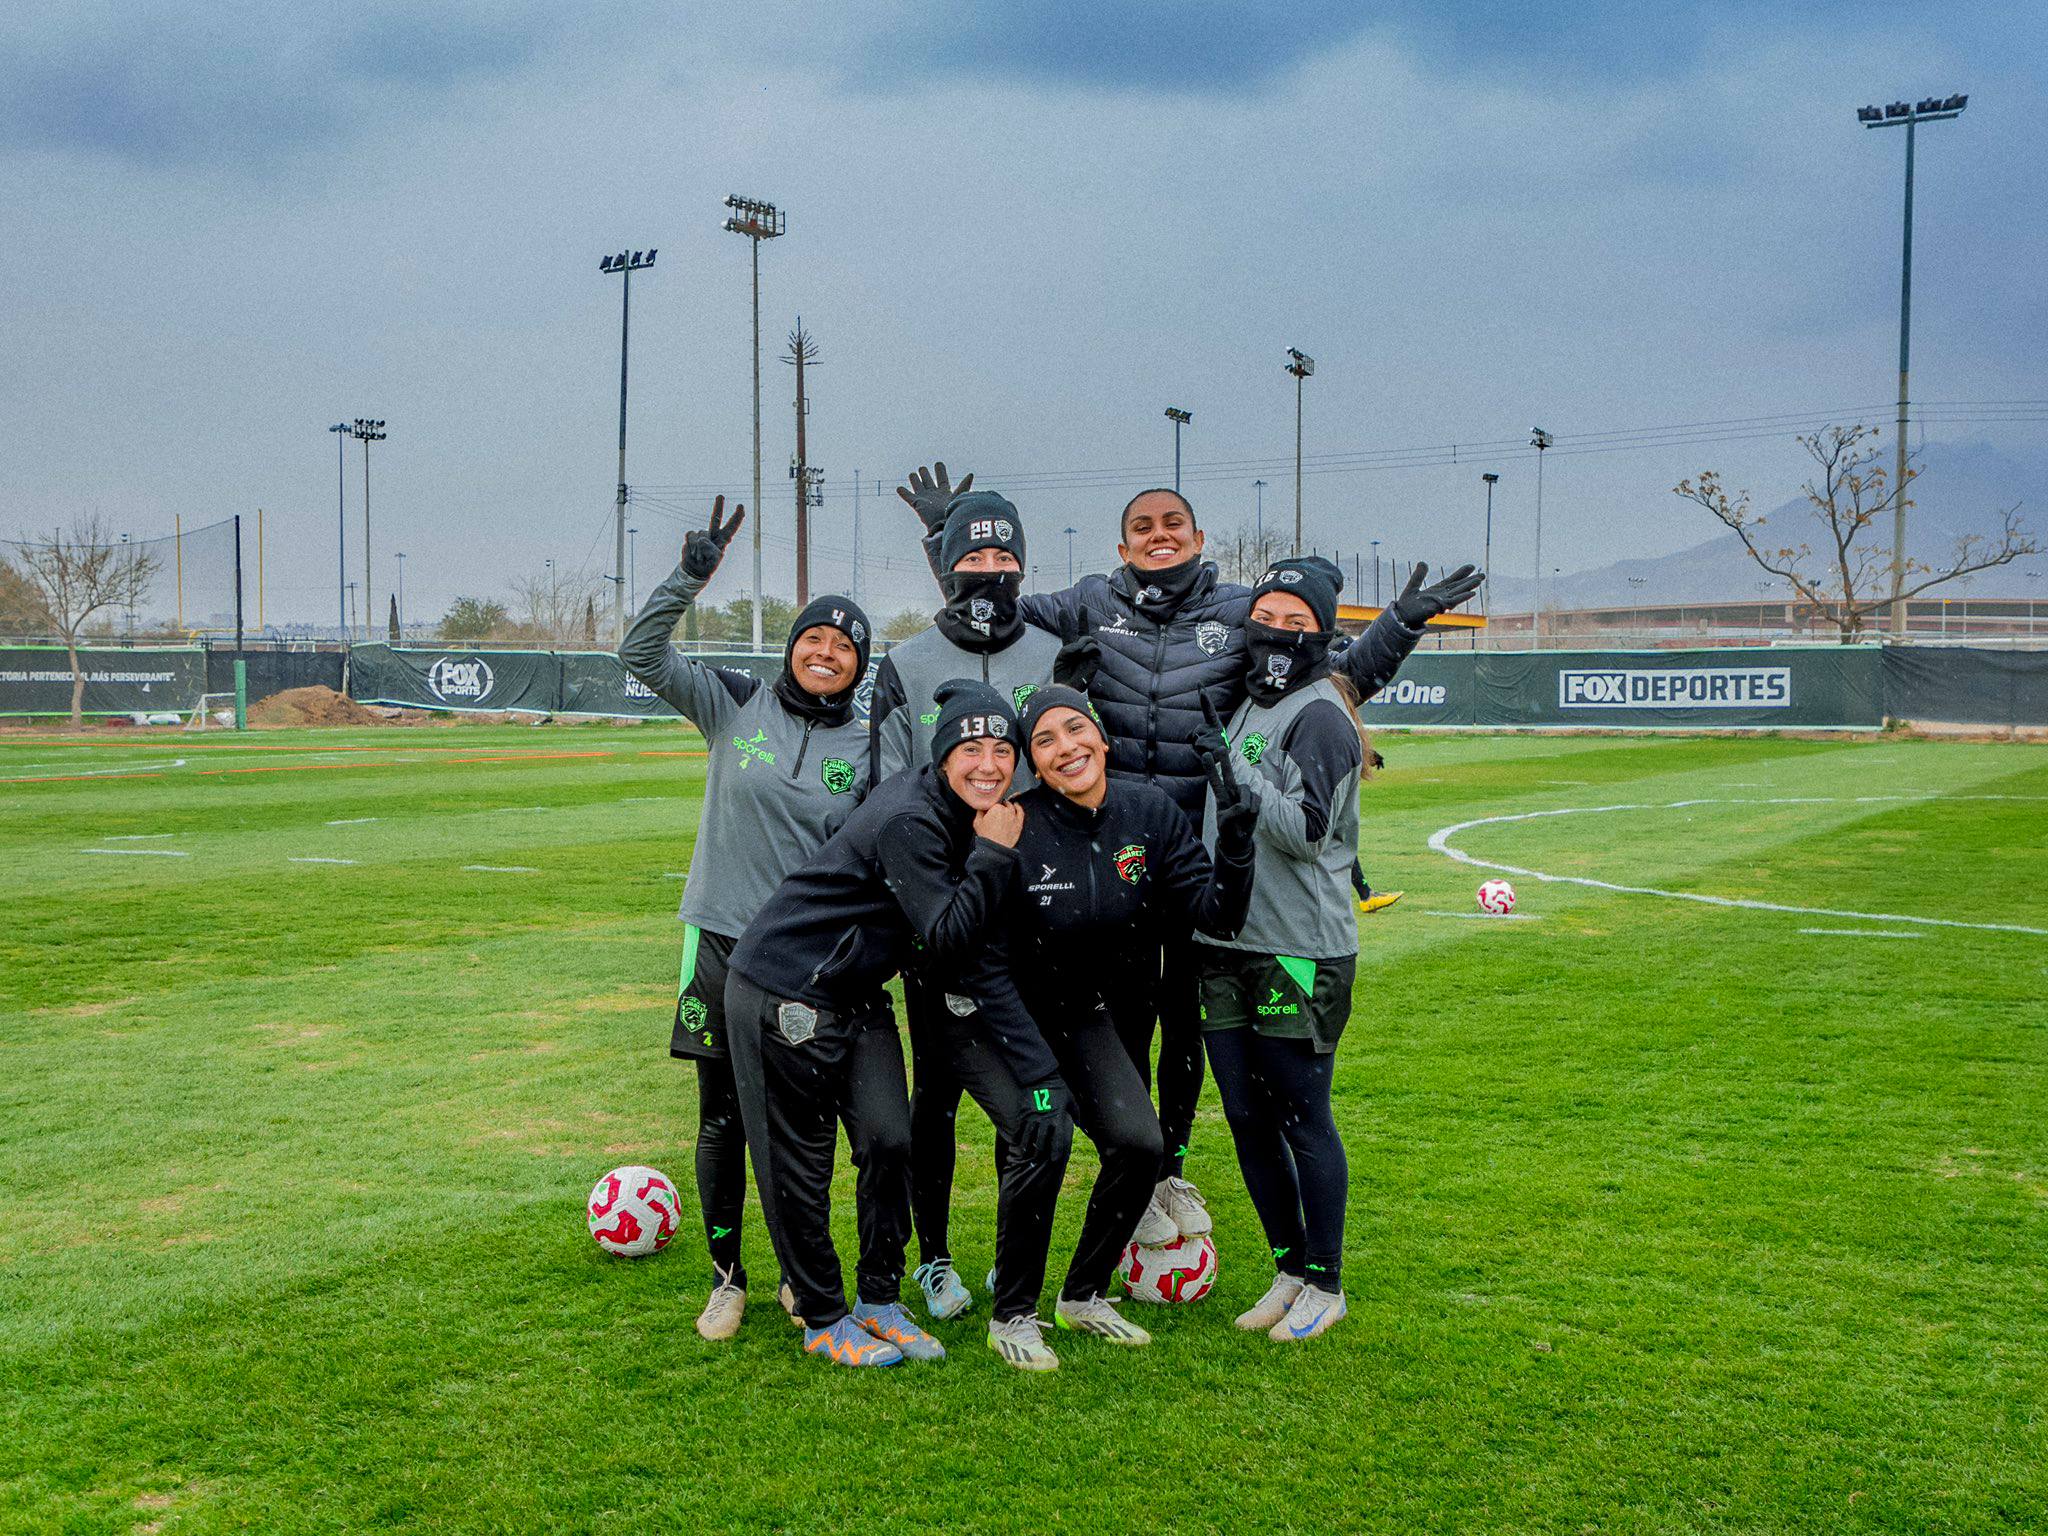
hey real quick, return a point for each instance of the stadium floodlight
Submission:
(1539, 440)
(1931, 109)
(340, 431)
(368, 431)
(1485, 596)
(758, 221)
(626, 263)
(1302, 366)
(1179, 418)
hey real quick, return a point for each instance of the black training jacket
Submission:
(1104, 888)
(1148, 687)
(904, 884)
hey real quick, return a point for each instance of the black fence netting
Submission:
(103, 586)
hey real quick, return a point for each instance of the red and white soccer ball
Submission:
(1182, 1270)
(1497, 897)
(634, 1211)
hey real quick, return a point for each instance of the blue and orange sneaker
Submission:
(891, 1323)
(847, 1343)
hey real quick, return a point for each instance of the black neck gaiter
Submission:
(981, 609)
(836, 709)
(1159, 594)
(1283, 660)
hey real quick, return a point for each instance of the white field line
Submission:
(161, 853)
(354, 821)
(1440, 841)
(501, 869)
(676, 874)
(1865, 933)
(1488, 917)
(315, 859)
(94, 773)
(135, 837)
(647, 799)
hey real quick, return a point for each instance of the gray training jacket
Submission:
(911, 673)
(1300, 759)
(779, 785)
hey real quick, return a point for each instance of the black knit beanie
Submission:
(980, 520)
(840, 613)
(1312, 579)
(1055, 696)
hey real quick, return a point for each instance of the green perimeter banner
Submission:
(36, 680)
(525, 682)
(597, 682)
(1784, 688)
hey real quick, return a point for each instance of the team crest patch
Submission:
(1130, 863)
(693, 1012)
(837, 773)
(1211, 637)
(1021, 696)
(1254, 747)
(980, 610)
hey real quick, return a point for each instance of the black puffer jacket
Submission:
(1149, 685)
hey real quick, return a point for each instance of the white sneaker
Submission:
(1155, 1228)
(723, 1310)
(787, 1297)
(1314, 1311)
(1020, 1341)
(1272, 1306)
(1098, 1315)
(945, 1294)
(1184, 1203)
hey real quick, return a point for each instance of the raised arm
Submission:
(929, 493)
(707, 696)
(1371, 661)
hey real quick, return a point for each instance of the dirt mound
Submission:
(316, 705)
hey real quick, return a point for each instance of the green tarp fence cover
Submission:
(36, 680)
(524, 682)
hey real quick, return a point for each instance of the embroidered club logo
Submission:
(998, 726)
(1022, 696)
(837, 773)
(1278, 666)
(1290, 578)
(1211, 637)
(981, 611)
(1152, 594)
(1004, 530)
(1254, 747)
(694, 1013)
(859, 631)
(1130, 863)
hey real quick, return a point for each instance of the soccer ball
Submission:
(633, 1211)
(1182, 1270)
(1497, 897)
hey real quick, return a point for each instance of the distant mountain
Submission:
(1962, 490)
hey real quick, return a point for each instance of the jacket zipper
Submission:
(801, 748)
(1152, 719)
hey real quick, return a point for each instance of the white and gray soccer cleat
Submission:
(1183, 1202)
(1098, 1315)
(1271, 1307)
(724, 1308)
(1156, 1228)
(945, 1294)
(1314, 1311)
(1020, 1341)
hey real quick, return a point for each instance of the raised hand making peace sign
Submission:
(703, 549)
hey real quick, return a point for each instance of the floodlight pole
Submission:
(401, 594)
(625, 264)
(758, 221)
(1070, 556)
(369, 432)
(1302, 366)
(1932, 109)
(1485, 594)
(1539, 440)
(1376, 573)
(340, 430)
(1179, 418)
(1259, 490)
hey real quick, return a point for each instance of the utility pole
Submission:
(1539, 440)
(1179, 418)
(1302, 366)
(625, 264)
(803, 350)
(400, 598)
(340, 429)
(1259, 490)
(632, 568)
(1932, 109)
(1070, 556)
(370, 432)
(855, 593)
(758, 221)
(1486, 570)
(1375, 573)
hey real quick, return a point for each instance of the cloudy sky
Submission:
(1019, 229)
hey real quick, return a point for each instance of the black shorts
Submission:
(699, 1028)
(1280, 995)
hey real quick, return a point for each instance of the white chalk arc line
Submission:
(1440, 842)
(143, 853)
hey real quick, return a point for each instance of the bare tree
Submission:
(551, 606)
(1849, 579)
(78, 573)
(1244, 556)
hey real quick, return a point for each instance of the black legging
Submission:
(935, 1095)
(721, 1164)
(1276, 1096)
(1174, 999)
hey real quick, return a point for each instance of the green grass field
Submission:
(1665, 1216)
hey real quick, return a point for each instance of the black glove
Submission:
(1237, 813)
(1047, 1132)
(1074, 666)
(1418, 604)
(930, 493)
(703, 549)
(1378, 762)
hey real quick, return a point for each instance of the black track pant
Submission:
(1276, 1095)
(792, 1098)
(1177, 1004)
(721, 1164)
(934, 1118)
(1113, 1110)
